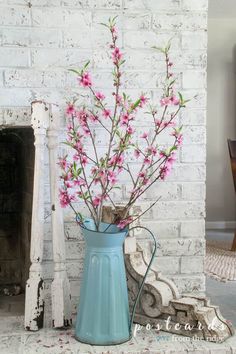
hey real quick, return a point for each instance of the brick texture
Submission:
(40, 40)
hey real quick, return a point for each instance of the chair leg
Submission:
(233, 248)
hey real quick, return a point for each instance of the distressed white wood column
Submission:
(60, 289)
(34, 299)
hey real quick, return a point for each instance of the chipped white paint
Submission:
(34, 300)
(160, 300)
(60, 288)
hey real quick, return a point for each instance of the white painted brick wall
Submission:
(40, 40)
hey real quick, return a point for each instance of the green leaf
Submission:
(86, 64)
(135, 105)
(159, 49)
(75, 71)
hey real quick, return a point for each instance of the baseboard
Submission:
(220, 225)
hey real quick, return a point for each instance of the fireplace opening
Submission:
(16, 192)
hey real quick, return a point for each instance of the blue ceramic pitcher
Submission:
(103, 312)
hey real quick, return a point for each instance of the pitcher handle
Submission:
(145, 276)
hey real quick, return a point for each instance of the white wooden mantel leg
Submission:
(60, 289)
(34, 299)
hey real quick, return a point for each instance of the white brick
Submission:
(58, 57)
(15, 37)
(15, 97)
(179, 247)
(193, 5)
(194, 134)
(153, 5)
(167, 265)
(46, 38)
(193, 191)
(78, 19)
(190, 172)
(72, 39)
(193, 153)
(173, 21)
(45, 2)
(137, 21)
(192, 228)
(194, 79)
(75, 3)
(198, 98)
(106, 4)
(24, 37)
(23, 78)
(47, 17)
(1, 78)
(194, 60)
(192, 265)
(19, 16)
(148, 39)
(1, 116)
(161, 229)
(177, 210)
(194, 40)
(166, 191)
(17, 116)
(15, 57)
(193, 116)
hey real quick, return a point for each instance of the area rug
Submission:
(220, 262)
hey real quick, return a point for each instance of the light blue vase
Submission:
(103, 312)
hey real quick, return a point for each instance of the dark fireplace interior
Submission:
(16, 191)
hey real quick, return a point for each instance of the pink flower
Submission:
(68, 184)
(62, 163)
(144, 135)
(171, 159)
(157, 122)
(86, 131)
(174, 100)
(152, 150)
(143, 101)
(164, 171)
(97, 200)
(116, 159)
(145, 181)
(70, 109)
(180, 139)
(116, 55)
(165, 101)
(65, 198)
(84, 160)
(106, 113)
(99, 96)
(94, 170)
(93, 118)
(113, 29)
(130, 130)
(142, 174)
(147, 161)
(123, 223)
(112, 177)
(124, 119)
(137, 153)
(120, 160)
(79, 146)
(85, 80)
(79, 182)
(76, 157)
(118, 100)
